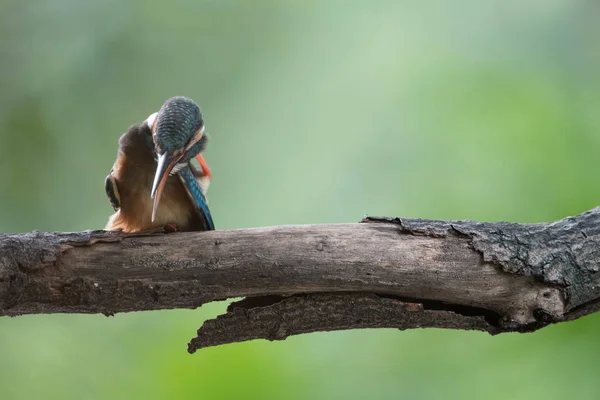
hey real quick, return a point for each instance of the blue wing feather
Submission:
(198, 197)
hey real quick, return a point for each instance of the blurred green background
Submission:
(318, 111)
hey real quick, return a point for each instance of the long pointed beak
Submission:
(166, 162)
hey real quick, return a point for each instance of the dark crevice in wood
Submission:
(255, 302)
(492, 318)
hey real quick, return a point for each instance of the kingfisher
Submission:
(153, 183)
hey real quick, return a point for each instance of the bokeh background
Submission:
(319, 111)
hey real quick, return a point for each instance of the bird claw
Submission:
(171, 228)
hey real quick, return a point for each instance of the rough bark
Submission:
(383, 272)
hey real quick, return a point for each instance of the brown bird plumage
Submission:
(130, 183)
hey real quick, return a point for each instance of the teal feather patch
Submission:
(198, 197)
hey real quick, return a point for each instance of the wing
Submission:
(134, 149)
(197, 197)
(112, 191)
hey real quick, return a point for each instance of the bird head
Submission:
(178, 136)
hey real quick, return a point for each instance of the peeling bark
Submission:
(317, 312)
(383, 272)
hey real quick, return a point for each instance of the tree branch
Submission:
(383, 272)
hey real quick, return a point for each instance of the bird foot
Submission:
(171, 228)
(168, 228)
